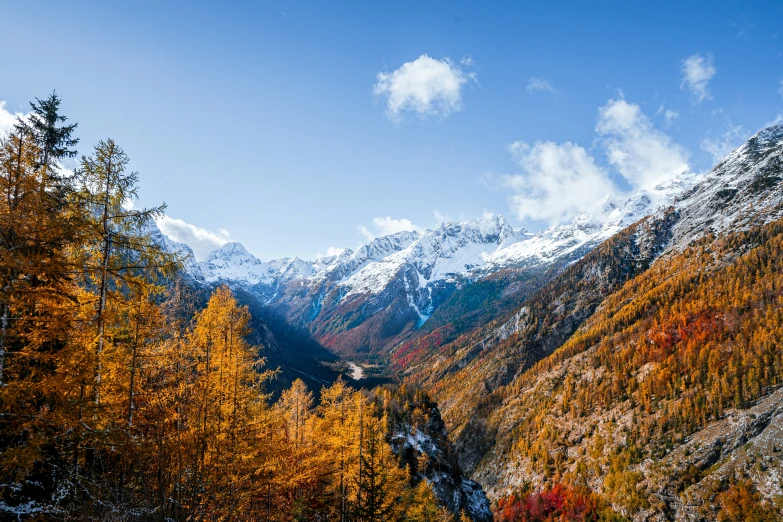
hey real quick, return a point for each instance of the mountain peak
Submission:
(232, 248)
(760, 143)
(771, 135)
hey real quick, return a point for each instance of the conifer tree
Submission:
(339, 426)
(380, 483)
(228, 410)
(38, 228)
(424, 506)
(53, 141)
(117, 244)
(34, 226)
(112, 401)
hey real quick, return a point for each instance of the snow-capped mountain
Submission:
(393, 284)
(741, 191)
(365, 301)
(492, 371)
(450, 251)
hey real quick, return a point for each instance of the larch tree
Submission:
(36, 304)
(305, 473)
(34, 224)
(381, 483)
(338, 431)
(229, 410)
(118, 247)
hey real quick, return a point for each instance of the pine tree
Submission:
(54, 142)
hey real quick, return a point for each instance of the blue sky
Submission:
(268, 123)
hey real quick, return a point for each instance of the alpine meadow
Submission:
(608, 348)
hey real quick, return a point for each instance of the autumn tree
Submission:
(339, 428)
(380, 482)
(424, 506)
(228, 411)
(117, 245)
(37, 297)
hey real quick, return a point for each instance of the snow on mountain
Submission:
(411, 271)
(181, 250)
(440, 254)
(600, 222)
(448, 253)
(478, 247)
(740, 191)
(349, 262)
(233, 263)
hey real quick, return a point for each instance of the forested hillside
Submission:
(649, 371)
(675, 353)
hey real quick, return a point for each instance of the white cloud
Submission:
(331, 251)
(384, 226)
(643, 155)
(697, 71)
(7, 119)
(440, 217)
(201, 240)
(556, 182)
(559, 180)
(725, 143)
(425, 86)
(669, 115)
(539, 85)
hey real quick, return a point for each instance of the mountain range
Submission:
(360, 303)
(556, 355)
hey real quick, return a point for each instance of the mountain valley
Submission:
(532, 344)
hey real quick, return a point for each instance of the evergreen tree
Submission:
(53, 141)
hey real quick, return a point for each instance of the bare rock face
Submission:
(421, 442)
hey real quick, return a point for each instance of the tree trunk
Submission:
(103, 288)
(131, 407)
(3, 328)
